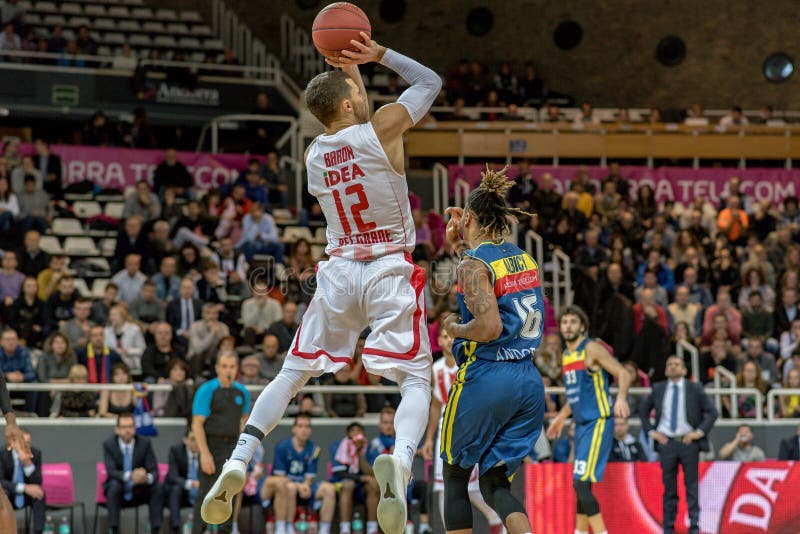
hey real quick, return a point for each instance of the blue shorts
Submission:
(311, 501)
(493, 415)
(593, 441)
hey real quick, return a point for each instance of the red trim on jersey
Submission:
(516, 282)
(579, 365)
(440, 382)
(314, 355)
(418, 283)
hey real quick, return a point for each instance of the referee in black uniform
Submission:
(219, 411)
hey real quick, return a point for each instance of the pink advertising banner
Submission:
(122, 167)
(680, 184)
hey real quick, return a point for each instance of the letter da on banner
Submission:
(753, 509)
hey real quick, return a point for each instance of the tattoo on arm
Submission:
(475, 281)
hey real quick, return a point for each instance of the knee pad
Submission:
(583, 491)
(457, 508)
(496, 491)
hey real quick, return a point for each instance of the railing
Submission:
(238, 37)
(772, 396)
(441, 188)
(291, 136)
(719, 373)
(461, 192)
(297, 49)
(561, 265)
(694, 355)
(532, 237)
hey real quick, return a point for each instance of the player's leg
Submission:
(457, 509)
(598, 434)
(274, 489)
(371, 498)
(398, 349)
(326, 493)
(346, 505)
(290, 505)
(475, 497)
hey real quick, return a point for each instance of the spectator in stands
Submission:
(56, 43)
(683, 310)
(211, 287)
(48, 279)
(790, 340)
(157, 356)
(664, 274)
(790, 447)
(132, 240)
(185, 309)
(15, 364)
(276, 181)
(97, 131)
(21, 478)
(11, 153)
(10, 279)
(113, 403)
(9, 40)
(147, 309)
(250, 178)
(59, 306)
(132, 474)
(260, 235)
(142, 202)
(764, 360)
(718, 354)
(347, 405)
(651, 326)
(352, 470)
(749, 376)
(194, 227)
(124, 59)
(101, 307)
(9, 209)
(182, 483)
(651, 282)
(785, 312)
(166, 281)
(586, 115)
(263, 134)
(130, 280)
(248, 373)
(86, 44)
(741, 448)
(78, 403)
(77, 328)
(286, 328)
(141, 132)
(270, 360)
(258, 313)
(233, 210)
(692, 260)
(32, 259)
(625, 448)
(26, 313)
(757, 321)
(35, 207)
(734, 118)
(233, 267)
(204, 336)
(178, 402)
(698, 293)
(26, 168)
(71, 56)
(57, 359)
(733, 222)
(301, 273)
(124, 336)
(725, 307)
(172, 174)
(98, 357)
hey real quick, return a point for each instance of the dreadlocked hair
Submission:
(488, 203)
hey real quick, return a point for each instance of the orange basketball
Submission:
(336, 25)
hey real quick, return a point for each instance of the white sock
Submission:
(268, 410)
(280, 527)
(372, 527)
(325, 527)
(344, 527)
(581, 531)
(289, 527)
(424, 526)
(409, 426)
(477, 501)
(441, 504)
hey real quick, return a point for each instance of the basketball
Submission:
(336, 25)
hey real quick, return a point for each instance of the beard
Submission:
(572, 337)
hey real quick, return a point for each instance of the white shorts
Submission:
(384, 294)
(438, 467)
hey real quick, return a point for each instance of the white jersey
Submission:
(443, 378)
(365, 202)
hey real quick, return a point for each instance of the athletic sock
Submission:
(344, 527)
(409, 426)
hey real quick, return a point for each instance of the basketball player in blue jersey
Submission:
(586, 366)
(496, 404)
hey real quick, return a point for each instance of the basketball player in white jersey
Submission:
(356, 171)
(444, 374)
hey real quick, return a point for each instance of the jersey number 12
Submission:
(531, 316)
(355, 209)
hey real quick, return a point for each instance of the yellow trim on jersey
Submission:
(602, 398)
(572, 357)
(517, 264)
(594, 450)
(452, 402)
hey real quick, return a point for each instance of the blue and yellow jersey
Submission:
(587, 389)
(293, 464)
(517, 286)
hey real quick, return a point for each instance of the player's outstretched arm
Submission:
(557, 424)
(486, 325)
(598, 354)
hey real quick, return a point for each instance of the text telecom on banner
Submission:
(122, 167)
(735, 498)
(681, 184)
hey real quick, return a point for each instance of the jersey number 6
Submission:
(355, 209)
(531, 316)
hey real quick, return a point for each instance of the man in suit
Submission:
(182, 482)
(790, 447)
(684, 417)
(184, 310)
(785, 312)
(50, 166)
(21, 477)
(132, 474)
